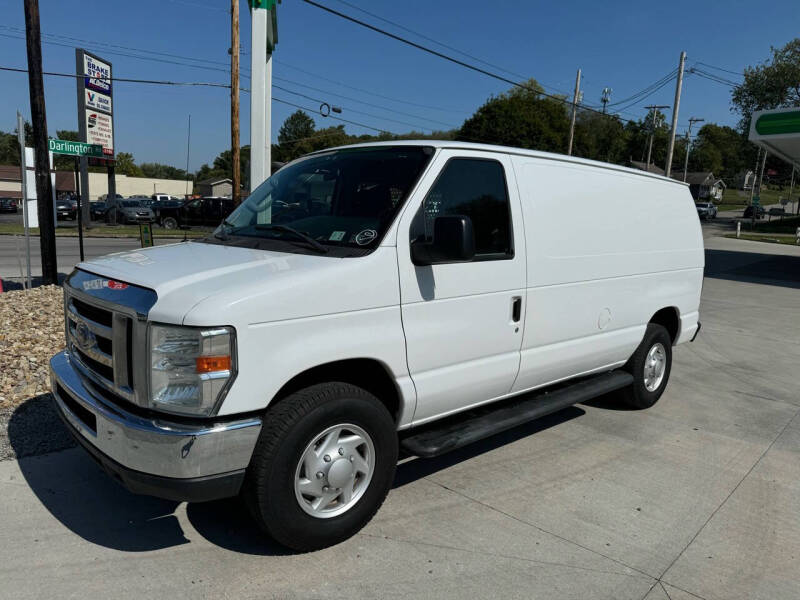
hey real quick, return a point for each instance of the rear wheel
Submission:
(650, 366)
(322, 467)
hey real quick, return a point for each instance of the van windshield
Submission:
(345, 197)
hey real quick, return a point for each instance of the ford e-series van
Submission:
(414, 295)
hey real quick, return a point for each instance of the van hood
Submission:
(196, 266)
(223, 284)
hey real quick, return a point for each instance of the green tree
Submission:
(774, 84)
(125, 165)
(721, 149)
(298, 125)
(521, 118)
(60, 161)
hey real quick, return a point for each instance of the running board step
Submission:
(454, 433)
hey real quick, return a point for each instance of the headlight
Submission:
(190, 368)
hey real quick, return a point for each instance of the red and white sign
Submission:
(99, 130)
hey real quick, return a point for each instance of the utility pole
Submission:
(791, 189)
(692, 121)
(235, 101)
(44, 187)
(606, 97)
(262, 20)
(654, 108)
(678, 85)
(188, 141)
(574, 111)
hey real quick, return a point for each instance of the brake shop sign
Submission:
(95, 109)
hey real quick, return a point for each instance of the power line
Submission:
(653, 91)
(712, 77)
(442, 55)
(666, 78)
(364, 91)
(312, 111)
(90, 43)
(366, 114)
(125, 80)
(430, 39)
(739, 73)
(451, 126)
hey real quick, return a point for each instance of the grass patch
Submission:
(787, 225)
(769, 238)
(120, 231)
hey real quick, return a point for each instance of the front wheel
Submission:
(169, 223)
(322, 467)
(650, 366)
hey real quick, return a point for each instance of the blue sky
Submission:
(624, 45)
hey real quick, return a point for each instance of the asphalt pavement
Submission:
(696, 497)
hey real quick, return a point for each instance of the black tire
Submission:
(169, 223)
(637, 395)
(289, 427)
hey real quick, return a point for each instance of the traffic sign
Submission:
(74, 148)
(756, 200)
(146, 234)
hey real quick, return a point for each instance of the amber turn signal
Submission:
(209, 364)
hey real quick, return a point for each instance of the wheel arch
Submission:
(669, 318)
(367, 373)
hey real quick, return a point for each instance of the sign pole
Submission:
(23, 165)
(80, 211)
(44, 185)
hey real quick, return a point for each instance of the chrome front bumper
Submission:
(176, 460)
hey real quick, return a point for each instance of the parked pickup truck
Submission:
(414, 295)
(209, 211)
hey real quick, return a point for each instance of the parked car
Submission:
(97, 210)
(393, 291)
(706, 210)
(8, 205)
(104, 197)
(759, 210)
(129, 210)
(158, 205)
(67, 208)
(209, 211)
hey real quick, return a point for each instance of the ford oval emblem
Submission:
(84, 337)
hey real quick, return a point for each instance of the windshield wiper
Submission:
(224, 234)
(286, 229)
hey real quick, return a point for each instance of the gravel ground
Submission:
(31, 331)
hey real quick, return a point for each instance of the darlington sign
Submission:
(74, 148)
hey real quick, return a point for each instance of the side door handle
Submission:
(516, 308)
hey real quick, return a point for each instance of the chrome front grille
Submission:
(106, 340)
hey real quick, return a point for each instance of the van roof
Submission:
(452, 144)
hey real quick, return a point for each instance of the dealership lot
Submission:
(696, 497)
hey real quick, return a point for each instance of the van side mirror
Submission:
(453, 241)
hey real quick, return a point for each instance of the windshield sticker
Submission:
(366, 236)
(337, 236)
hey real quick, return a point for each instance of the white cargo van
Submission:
(357, 298)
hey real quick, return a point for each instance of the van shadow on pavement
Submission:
(77, 492)
(769, 269)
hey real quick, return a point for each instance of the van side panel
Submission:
(606, 250)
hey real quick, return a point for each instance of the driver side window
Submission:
(475, 188)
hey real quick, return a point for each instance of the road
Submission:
(695, 498)
(12, 252)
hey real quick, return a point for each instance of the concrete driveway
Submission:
(697, 497)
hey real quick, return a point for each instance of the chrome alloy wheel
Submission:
(655, 365)
(334, 471)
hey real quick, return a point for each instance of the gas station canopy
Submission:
(778, 132)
